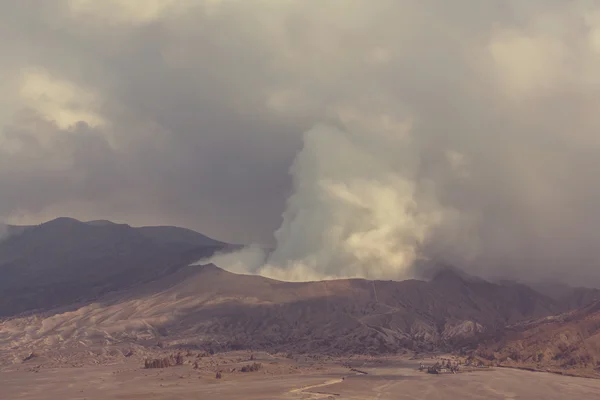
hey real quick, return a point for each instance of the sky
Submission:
(367, 134)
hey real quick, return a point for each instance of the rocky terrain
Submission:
(202, 306)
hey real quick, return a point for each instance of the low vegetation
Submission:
(251, 367)
(31, 356)
(165, 362)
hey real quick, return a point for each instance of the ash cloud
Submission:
(460, 133)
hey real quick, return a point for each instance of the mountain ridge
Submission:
(207, 306)
(65, 260)
(68, 286)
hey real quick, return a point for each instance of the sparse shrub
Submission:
(487, 354)
(573, 360)
(218, 375)
(162, 331)
(158, 363)
(164, 362)
(586, 359)
(31, 356)
(563, 347)
(178, 359)
(515, 355)
(251, 367)
(569, 362)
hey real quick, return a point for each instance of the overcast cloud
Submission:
(480, 119)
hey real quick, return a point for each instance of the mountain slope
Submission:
(566, 342)
(64, 261)
(206, 306)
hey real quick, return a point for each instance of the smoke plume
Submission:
(356, 211)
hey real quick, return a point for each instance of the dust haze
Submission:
(3, 231)
(355, 138)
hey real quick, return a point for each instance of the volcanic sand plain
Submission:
(282, 378)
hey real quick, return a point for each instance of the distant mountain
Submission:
(65, 260)
(568, 297)
(169, 234)
(565, 343)
(101, 222)
(10, 230)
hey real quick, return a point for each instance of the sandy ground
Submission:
(387, 379)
